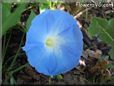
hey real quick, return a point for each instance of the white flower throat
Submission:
(53, 41)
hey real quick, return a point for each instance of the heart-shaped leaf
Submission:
(11, 19)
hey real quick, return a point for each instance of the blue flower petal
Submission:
(35, 57)
(39, 28)
(49, 63)
(35, 52)
(36, 34)
(71, 35)
(30, 46)
(69, 58)
(46, 21)
(41, 59)
(63, 21)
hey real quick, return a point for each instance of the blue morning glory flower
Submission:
(54, 42)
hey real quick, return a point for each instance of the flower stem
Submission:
(50, 81)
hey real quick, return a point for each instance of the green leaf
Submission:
(31, 16)
(5, 10)
(59, 77)
(44, 6)
(42, 1)
(12, 19)
(111, 25)
(110, 66)
(104, 30)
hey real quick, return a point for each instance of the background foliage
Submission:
(97, 61)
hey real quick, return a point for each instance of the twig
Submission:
(16, 53)
(80, 13)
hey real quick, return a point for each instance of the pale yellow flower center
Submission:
(50, 42)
